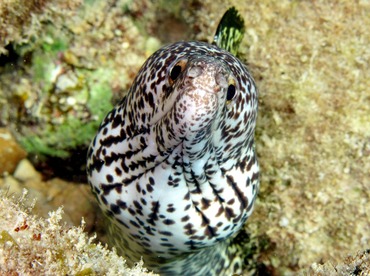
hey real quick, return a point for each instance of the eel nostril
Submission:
(221, 79)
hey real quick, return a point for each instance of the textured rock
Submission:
(358, 264)
(46, 196)
(26, 172)
(10, 152)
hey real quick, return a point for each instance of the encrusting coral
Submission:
(311, 63)
(358, 264)
(21, 21)
(36, 246)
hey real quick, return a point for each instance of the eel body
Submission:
(173, 165)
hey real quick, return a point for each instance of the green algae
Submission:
(58, 140)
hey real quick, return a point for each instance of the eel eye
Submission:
(231, 91)
(176, 71)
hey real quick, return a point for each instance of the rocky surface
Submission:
(46, 196)
(311, 62)
(10, 152)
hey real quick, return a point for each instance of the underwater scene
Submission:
(184, 137)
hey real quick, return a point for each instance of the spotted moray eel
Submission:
(173, 165)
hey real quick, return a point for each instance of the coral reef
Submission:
(311, 62)
(50, 194)
(358, 264)
(35, 246)
(60, 85)
(22, 21)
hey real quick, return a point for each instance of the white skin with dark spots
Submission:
(174, 165)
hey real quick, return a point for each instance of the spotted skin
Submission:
(173, 165)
